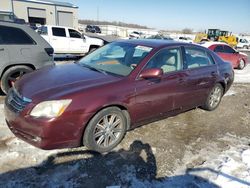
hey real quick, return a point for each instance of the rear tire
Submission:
(245, 47)
(214, 98)
(11, 75)
(241, 64)
(105, 130)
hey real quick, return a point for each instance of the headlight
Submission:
(50, 109)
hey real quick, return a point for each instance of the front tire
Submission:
(11, 75)
(214, 98)
(105, 130)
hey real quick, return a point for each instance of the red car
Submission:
(237, 59)
(116, 88)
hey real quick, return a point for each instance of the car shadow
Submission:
(135, 167)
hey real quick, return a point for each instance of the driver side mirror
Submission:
(151, 73)
(83, 37)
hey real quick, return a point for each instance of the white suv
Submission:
(243, 43)
(66, 40)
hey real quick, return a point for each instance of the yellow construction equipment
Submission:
(217, 35)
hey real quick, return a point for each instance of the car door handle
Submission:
(181, 81)
(54, 39)
(1, 49)
(203, 83)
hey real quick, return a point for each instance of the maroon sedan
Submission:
(237, 59)
(116, 88)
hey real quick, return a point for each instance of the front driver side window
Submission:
(169, 60)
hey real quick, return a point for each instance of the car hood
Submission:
(57, 81)
(244, 54)
(94, 41)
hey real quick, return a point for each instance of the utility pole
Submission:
(97, 13)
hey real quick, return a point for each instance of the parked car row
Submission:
(135, 35)
(162, 37)
(184, 39)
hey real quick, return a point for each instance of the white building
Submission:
(40, 12)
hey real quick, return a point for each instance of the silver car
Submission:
(22, 50)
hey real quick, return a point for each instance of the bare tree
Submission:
(94, 22)
(187, 31)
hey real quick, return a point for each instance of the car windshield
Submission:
(117, 58)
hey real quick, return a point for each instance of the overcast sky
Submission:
(233, 15)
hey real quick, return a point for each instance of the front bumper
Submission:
(63, 132)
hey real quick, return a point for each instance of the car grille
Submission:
(16, 102)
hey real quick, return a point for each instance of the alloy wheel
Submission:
(108, 130)
(241, 64)
(215, 97)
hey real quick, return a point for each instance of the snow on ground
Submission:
(210, 168)
(2, 121)
(228, 169)
(242, 76)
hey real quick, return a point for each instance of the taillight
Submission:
(49, 51)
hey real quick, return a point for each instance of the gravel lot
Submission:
(193, 149)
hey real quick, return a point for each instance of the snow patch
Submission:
(230, 93)
(246, 157)
(242, 76)
(2, 120)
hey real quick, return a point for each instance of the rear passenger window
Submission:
(58, 32)
(229, 50)
(197, 58)
(219, 49)
(11, 35)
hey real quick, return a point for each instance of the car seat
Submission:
(169, 63)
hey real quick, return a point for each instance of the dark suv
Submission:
(93, 29)
(21, 51)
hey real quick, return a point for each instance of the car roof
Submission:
(155, 43)
(208, 44)
(58, 26)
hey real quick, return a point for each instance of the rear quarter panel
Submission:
(226, 76)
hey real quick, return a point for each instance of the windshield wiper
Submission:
(94, 68)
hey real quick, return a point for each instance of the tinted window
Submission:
(197, 58)
(219, 49)
(228, 49)
(10, 35)
(74, 34)
(59, 32)
(169, 60)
